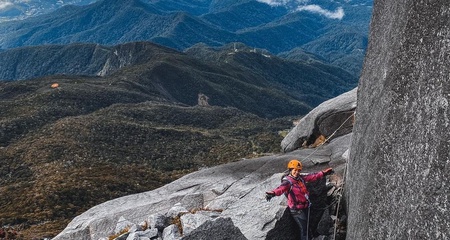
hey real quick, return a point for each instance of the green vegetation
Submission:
(68, 149)
(65, 149)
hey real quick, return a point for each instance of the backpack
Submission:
(285, 178)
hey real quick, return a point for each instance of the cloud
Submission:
(284, 2)
(337, 14)
(302, 5)
(4, 5)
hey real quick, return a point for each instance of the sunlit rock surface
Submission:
(235, 190)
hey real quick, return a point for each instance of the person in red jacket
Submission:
(293, 186)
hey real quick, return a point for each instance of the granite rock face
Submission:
(400, 158)
(226, 199)
(324, 120)
(220, 229)
(232, 196)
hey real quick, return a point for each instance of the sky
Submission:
(5, 4)
(304, 5)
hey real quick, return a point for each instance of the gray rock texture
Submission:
(171, 233)
(235, 191)
(226, 198)
(325, 119)
(398, 175)
(220, 229)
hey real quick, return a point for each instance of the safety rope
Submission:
(339, 198)
(339, 202)
(328, 138)
(326, 207)
(307, 224)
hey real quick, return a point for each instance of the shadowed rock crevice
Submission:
(330, 117)
(286, 227)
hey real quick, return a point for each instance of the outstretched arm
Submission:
(318, 175)
(284, 187)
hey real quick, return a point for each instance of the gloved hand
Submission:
(328, 171)
(269, 195)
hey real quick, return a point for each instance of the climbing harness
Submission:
(285, 178)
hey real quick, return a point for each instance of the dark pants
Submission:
(301, 218)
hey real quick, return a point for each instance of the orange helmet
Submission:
(295, 164)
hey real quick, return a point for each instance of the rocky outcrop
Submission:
(398, 178)
(323, 120)
(222, 228)
(231, 196)
(223, 201)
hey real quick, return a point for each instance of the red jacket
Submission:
(298, 195)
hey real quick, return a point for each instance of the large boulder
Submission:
(235, 190)
(230, 195)
(398, 176)
(324, 120)
(219, 229)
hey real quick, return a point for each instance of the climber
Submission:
(293, 186)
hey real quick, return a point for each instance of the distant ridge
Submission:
(71, 142)
(180, 25)
(257, 75)
(75, 59)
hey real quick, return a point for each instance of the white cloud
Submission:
(301, 5)
(283, 2)
(4, 4)
(337, 14)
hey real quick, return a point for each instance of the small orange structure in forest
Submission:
(55, 85)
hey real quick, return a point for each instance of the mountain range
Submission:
(70, 142)
(291, 87)
(103, 100)
(19, 9)
(333, 30)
